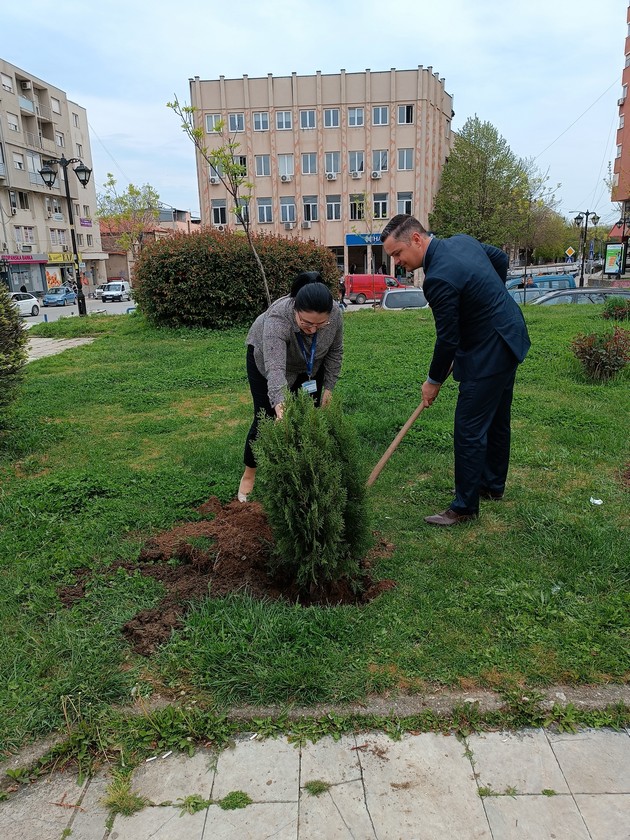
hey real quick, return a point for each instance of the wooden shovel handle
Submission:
(394, 445)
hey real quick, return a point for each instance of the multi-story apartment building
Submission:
(330, 157)
(37, 123)
(621, 167)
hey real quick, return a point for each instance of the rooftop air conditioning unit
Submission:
(286, 179)
(331, 176)
(14, 211)
(289, 225)
(25, 85)
(376, 175)
(214, 179)
(355, 175)
(306, 225)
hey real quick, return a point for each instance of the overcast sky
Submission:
(546, 73)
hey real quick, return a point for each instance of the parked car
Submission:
(412, 298)
(361, 288)
(526, 295)
(98, 291)
(59, 296)
(26, 304)
(580, 296)
(543, 281)
(118, 290)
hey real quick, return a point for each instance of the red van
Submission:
(363, 287)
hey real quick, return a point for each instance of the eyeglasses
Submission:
(308, 325)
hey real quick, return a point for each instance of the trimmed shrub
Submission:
(13, 338)
(211, 279)
(313, 491)
(603, 356)
(617, 309)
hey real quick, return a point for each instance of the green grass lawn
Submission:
(121, 438)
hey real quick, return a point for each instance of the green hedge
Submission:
(13, 338)
(211, 279)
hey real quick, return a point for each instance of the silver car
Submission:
(580, 296)
(412, 298)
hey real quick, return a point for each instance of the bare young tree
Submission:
(224, 162)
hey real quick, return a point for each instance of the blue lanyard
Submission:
(308, 359)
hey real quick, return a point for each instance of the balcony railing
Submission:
(33, 139)
(36, 178)
(26, 104)
(43, 111)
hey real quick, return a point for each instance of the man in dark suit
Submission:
(481, 335)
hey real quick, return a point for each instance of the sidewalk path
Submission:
(38, 347)
(533, 785)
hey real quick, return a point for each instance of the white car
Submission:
(116, 290)
(26, 304)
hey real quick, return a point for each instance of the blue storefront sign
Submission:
(363, 238)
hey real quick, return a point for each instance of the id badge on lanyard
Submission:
(310, 386)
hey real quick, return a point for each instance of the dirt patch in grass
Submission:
(214, 557)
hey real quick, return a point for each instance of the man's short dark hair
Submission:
(401, 227)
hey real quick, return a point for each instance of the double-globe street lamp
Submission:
(83, 173)
(582, 216)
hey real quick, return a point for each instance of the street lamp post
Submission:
(49, 175)
(582, 216)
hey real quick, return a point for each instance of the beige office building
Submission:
(331, 157)
(38, 122)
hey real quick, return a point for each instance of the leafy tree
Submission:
(13, 338)
(224, 161)
(127, 216)
(483, 187)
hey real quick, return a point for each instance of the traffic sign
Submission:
(570, 251)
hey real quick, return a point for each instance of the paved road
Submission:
(53, 313)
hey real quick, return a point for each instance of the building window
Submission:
(332, 162)
(309, 163)
(285, 164)
(380, 160)
(263, 165)
(405, 114)
(261, 121)
(309, 207)
(236, 123)
(356, 161)
(213, 122)
(18, 160)
(55, 105)
(58, 236)
(219, 211)
(75, 120)
(355, 117)
(22, 199)
(265, 215)
(380, 115)
(287, 208)
(25, 235)
(405, 159)
(79, 150)
(333, 208)
(331, 118)
(617, 155)
(53, 205)
(357, 207)
(77, 209)
(80, 239)
(241, 162)
(380, 206)
(241, 212)
(90, 240)
(283, 120)
(87, 213)
(307, 119)
(12, 121)
(7, 82)
(621, 121)
(60, 140)
(216, 171)
(404, 203)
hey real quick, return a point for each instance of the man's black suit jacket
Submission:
(480, 328)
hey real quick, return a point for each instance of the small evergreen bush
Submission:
(211, 279)
(13, 339)
(617, 309)
(313, 492)
(603, 356)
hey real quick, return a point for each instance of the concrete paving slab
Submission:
(535, 818)
(176, 776)
(330, 761)
(594, 760)
(277, 820)
(421, 786)
(89, 821)
(158, 823)
(521, 760)
(268, 771)
(607, 816)
(39, 347)
(339, 814)
(42, 810)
